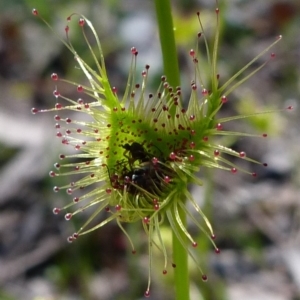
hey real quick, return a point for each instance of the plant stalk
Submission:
(171, 70)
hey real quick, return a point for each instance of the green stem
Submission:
(181, 272)
(171, 70)
(167, 42)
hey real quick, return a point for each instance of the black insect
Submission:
(135, 152)
(140, 170)
(144, 176)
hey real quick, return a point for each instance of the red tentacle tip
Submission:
(114, 90)
(68, 216)
(224, 99)
(81, 22)
(233, 170)
(35, 12)
(56, 210)
(134, 51)
(147, 294)
(54, 76)
(34, 110)
(118, 207)
(219, 126)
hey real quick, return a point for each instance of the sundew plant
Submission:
(139, 152)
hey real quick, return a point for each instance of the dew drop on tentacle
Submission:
(81, 22)
(54, 76)
(56, 93)
(192, 53)
(224, 99)
(217, 251)
(147, 294)
(68, 216)
(114, 90)
(154, 160)
(242, 154)
(56, 210)
(52, 174)
(56, 189)
(219, 126)
(58, 106)
(172, 156)
(35, 12)
(204, 92)
(34, 110)
(192, 145)
(167, 179)
(233, 170)
(69, 191)
(134, 51)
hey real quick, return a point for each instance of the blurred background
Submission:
(256, 221)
